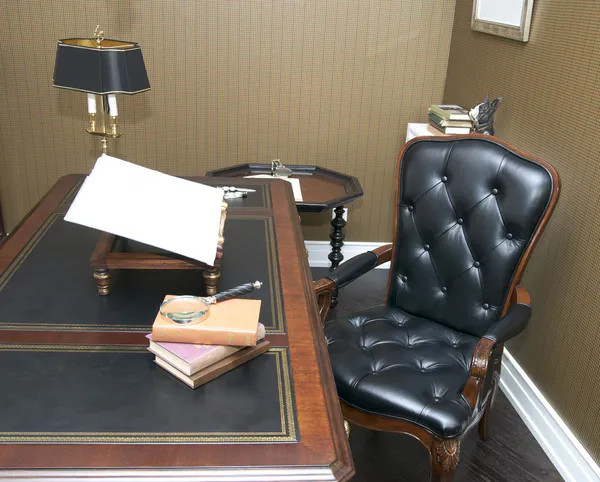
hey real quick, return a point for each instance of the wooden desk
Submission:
(83, 400)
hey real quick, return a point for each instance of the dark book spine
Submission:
(439, 120)
(437, 126)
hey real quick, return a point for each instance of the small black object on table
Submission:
(322, 189)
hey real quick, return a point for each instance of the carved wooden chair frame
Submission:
(444, 453)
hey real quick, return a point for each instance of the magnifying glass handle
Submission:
(236, 292)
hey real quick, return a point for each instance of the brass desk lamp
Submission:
(101, 67)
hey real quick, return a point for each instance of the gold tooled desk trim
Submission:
(27, 249)
(68, 199)
(288, 431)
(276, 299)
(275, 295)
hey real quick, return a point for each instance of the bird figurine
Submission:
(482, 115)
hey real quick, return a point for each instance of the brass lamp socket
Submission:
(114, 129)
(92, 123)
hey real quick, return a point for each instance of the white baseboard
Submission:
(569, 457)
(319, 250)
(567, 454)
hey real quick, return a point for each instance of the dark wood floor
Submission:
(511, 453)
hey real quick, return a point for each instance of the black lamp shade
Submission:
(113, 68)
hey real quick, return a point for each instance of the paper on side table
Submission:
(148, 206)
(292, 180)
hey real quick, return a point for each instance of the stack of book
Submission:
(450, 119)
(199, 353)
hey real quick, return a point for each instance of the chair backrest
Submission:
(469, 210)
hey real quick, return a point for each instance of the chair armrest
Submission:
(346, 273)
(511, 324)
(514, 322)
(355, 267)
(323, 289)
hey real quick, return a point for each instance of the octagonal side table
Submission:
(322, 190)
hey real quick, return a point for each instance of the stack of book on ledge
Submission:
(450, 119)
(200, 352)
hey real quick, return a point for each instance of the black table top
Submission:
(322, 188)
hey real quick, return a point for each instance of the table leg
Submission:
(338, 233)
(102, 277)
(211, 280)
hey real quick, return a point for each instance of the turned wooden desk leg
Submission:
(102, 277)
(211, 280)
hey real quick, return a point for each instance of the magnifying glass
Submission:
(185, 309)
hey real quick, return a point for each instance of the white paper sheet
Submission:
(295, 182)
(148, 206)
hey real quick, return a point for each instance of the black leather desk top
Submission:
(50, 286)
(117, 394)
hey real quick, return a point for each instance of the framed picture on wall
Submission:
(506, 18)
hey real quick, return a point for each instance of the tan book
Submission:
(217, 369)
(232, 322)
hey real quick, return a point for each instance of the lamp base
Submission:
(112, 132)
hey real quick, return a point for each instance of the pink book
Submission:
(191, 358)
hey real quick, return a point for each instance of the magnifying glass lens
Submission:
(184, 309)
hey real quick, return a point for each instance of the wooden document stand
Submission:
(105, 257)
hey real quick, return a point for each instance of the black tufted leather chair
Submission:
(469, 210)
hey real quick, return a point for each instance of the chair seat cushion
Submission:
(390, 363)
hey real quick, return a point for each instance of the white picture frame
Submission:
(506, 18)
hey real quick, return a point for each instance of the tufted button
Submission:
(404, 278)
(436, 399)
(426, 247)
(476, 264)
(486, 306)
(509, 236)
(410, 208)
(444, 178)
(494, 191)
(460, 220)
(444, 289)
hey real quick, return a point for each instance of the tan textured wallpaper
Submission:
(317, 82)
(551, 90)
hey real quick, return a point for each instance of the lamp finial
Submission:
(99, 34)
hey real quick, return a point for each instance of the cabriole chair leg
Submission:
(444, 459)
